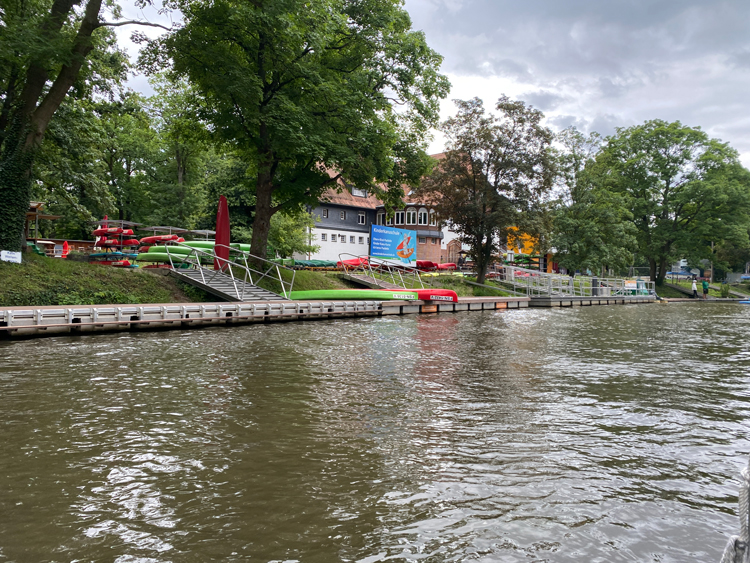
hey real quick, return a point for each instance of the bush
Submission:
(725, 290)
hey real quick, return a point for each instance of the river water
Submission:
(586, 434)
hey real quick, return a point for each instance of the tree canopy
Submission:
(493, 176)
(309, 93)
(683, 189)
(592, 227)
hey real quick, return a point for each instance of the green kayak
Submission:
(355, 294)
(159, 257)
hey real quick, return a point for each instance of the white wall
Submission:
(331, 250)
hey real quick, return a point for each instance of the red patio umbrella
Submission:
(221, 250)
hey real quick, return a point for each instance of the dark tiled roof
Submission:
(344, 197)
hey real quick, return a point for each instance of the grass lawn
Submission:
(688, 285)
(668, 292)
(740, 288)
(306, 280)
(40, 281)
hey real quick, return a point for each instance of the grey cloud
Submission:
(556, 37)
(739, 59)
(600, 64)
(544, 100)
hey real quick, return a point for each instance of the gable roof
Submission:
(345, 197)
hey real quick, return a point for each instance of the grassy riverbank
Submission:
(40, 281)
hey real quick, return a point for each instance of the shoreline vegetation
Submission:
(41, 281)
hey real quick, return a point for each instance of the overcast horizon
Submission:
(595, 65)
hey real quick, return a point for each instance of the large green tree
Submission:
(181, 164)
(309, 93)
(494, 175)
(45, 50)
(592, 227)
(683, 189)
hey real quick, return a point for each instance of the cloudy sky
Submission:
(600, 64)
(595, 64)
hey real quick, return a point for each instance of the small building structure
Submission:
(342, 224)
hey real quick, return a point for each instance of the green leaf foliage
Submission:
(683, 189)
(493, 177)
(592, 227)
(309, 92)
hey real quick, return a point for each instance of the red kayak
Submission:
(105, 232)
(354, 262)
(447, 266)
(433, 294)
(426, 265)
(116, 242)
(158, 238)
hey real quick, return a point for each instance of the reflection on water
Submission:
(592, 434)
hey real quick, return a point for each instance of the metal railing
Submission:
(536, 283)
(203, 260)
(377, 270)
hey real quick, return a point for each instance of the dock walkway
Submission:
(20, 322)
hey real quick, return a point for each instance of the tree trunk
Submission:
(15, 195)
(31, 118)
(662, 271)
(263, 213)
(483, 260)
(652, 269)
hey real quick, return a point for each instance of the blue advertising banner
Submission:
(393, 244)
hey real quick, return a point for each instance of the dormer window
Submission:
(359, 192)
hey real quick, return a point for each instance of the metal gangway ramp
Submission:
(541, 284)
(380, 274)
(239, 278)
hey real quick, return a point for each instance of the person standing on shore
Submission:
(695, 289)
(704, 283)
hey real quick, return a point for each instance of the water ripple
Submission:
(588, 434)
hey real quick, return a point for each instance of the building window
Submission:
(390, 221)
(351, 240)
(342, 215)
(323, 237)
(433, 219)
(423, 217)
(361, 219)
(368, 241)
(422, 240)
(333, 238)
(325, 214)
(411, 217)
(359, 192)
(361, 240)
(434, 241)
(342, 238)
(381, 217)
(399, 217)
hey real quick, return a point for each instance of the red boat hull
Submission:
(447, 295)
(158, 238)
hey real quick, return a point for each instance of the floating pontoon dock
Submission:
(19, 322)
